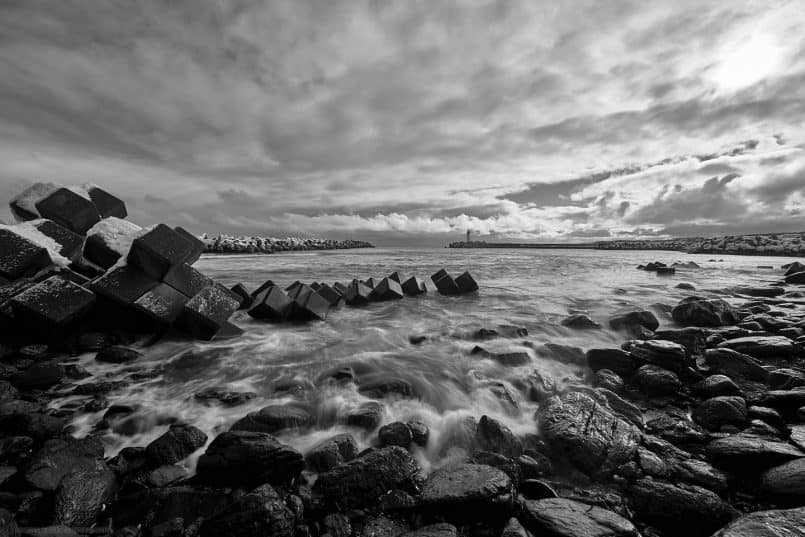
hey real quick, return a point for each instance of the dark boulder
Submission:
(747, 453)
(617, 360)
(773, 523)
(786, 481)
(656, 381)
(666, 354)
(761, 346)
(246, 458)
(178, 443)
(609, 380)
(260, 512)
(469, 490)
(367, 416)
(785, 401)
(224, 396)
(491, 435)
(362, 481)
(82, 496)
(332, 452)
(117, 354)
(630, 319)
(560, 517)
(420, 433)
(797, 278)
(697, 311)
(395, 434)
(275, 418)
(580, 321)
(683, 509)
(701, 473)
(735, 365)
(442, 529)
(59, 457)
(41, 375)
(587, 433)
(717, 412)
(715, 385)
(692, 338)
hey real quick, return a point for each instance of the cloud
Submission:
(406, 120)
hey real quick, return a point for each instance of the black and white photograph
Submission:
(402, 268)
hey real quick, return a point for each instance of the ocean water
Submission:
(532, 289)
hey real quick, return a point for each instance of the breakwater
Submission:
(227, 244)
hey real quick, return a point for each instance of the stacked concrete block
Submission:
(446, 285)
(142, 279)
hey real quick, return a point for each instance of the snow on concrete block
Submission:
(23, 206)
(123, 285)
(20, 256)
(197, 246)
(387, 289)
(272, 304)
(186, 279)
(52, 304)
(204, 315)
(107, 204)
(158, 250)
(414, 286)
(65, 242)
(71, 210)
(110, 240)
(162, 305)
(466, 283)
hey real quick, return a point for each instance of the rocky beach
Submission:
(150, 390)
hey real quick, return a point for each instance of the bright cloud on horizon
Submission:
(414, 121)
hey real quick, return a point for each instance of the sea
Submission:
(294, 363)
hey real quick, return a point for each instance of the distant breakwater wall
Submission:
(225, 244)
(772, 244)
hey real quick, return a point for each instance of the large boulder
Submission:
(248, 458)
(717, 412)
(179, 442)
(588, 433)
(750, 453)
(332, 451)
(362, 481)
(678, 510)
(476, 489)
(697, 311)
(616, 360)
(260, 512)
(735, 365)
(493, 436)
(560, 517)
(666, 354)
(633, 318)
(692, 338)
(274, 418)
(58, 457)
(82, 496)
(656, 381)
(785, 481)
(761, 346)
(773, 523)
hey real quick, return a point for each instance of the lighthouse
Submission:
(468, 235)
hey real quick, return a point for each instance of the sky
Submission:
(413, 122)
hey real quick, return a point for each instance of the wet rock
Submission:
(244, 458)
(362, 481)
(178, 443)
(761, 346)
(274, 418)
(608, 379)
(580, 321)
(656, 381)
(117, 354)
(797, 278)
(735, 364)
(677, 430)
(383, 526)
(367, 416)
(587, 433)
(692, 338)
(697, 311)
(395, 434)
(540, 386)
(785, 401)
(617, 360)
(59, 457)
(378, 387)
(226, 397)
(679, 509)
(337, 525)
(260, 512)
(630, 319)
(701, 473)
(82, 496)
(560, 517)
(21, 418)
(513, 528)
(767, 415)
(332, 452)
(749, 453)
(419, 433)
(484, 490)
(441, 529)
(716, 385)
(686, 286)
(41, 375)
(165, 475)
(8, 527)
(785, 481)
(666, 354)
(567, 354)
(717, 412)
(773, 523)
(534, 465)
(491, 435)
(509, 359)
